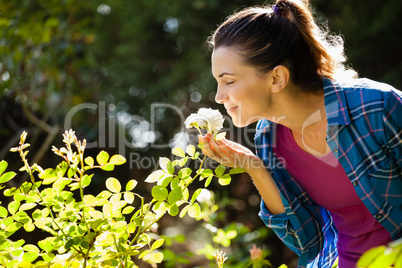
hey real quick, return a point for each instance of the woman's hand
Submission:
(232, 154)
(229, 153)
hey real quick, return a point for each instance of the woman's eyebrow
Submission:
(223, 74)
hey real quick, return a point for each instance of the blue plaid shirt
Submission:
(365, 134)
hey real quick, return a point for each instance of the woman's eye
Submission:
(228, 83)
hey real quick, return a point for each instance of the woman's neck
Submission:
(302, 113)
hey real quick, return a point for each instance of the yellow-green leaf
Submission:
(157, 244)
(178, 152)
(159, 193)
(220, 170)
(129, 197)
(102, 158)
(155, 176)
(156, 257)
(117, 159)
(190, 150)
(89, 161)
(131, 185)
(3, 166)
(27, 206)
(113, 185)
(163, 162)
(225, 180)
(3, 212)
(7, 176)
(13, 206)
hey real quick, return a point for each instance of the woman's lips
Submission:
(231, 110)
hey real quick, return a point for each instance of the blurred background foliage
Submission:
(101, 66)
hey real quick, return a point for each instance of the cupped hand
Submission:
(229, 153)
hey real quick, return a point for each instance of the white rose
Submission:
(206, 118)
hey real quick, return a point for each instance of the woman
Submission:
(328, 163)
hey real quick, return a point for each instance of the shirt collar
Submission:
(335, 103)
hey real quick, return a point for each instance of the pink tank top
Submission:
(325, 181)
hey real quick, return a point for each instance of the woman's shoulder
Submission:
(365, 89)
(365, 84)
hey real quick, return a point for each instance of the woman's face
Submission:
(245, 95)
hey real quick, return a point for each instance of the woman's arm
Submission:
(233, 154)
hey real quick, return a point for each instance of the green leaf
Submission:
(89, 200)
(86, 180)
(15, 226)
(37, 214)
(155, 176)
(129, 197)
(236, 171)
(159, 193)
(29, 227)
(3, 212)
(27, 206)
(195, 195)
(30, 256)
(178, 152)
(190, 150)
(370, 255)
(6, 245)
(145, 252)
(173, 210)
(7, 176)
(10, 192)
(175, 195)
(231, 234)
(48, 257)
(206, 173)
(225, 180)
(13, 206)
(3, 166)
(163, 163)
(165, 181)
(113, 185)
(127, 210)
(89, 161)
(108, 167)
(18, 243)
(194, 211)
(59, 184)
(385, 260)
(156, 257)
(19, 197)
(220, 170)
(170, 167)
(96, 214)
(17, 252)
(208, 181)
(71, 172)
(102, 158)
(117, 159)
(131, 185)
(185, 172)
(157, 244)
(25, 187)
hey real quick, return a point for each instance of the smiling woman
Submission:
(338, 138)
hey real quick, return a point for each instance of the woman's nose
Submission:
(220, 96)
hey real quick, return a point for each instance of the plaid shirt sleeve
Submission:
(392, 118)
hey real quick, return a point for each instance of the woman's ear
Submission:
(280, 76)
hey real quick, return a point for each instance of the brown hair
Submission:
(286, 35)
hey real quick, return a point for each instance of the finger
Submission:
(229, 151)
